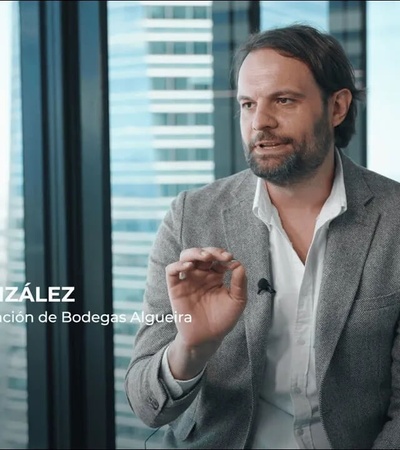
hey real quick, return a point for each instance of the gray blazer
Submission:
(357, 349)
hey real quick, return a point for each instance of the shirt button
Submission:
(300, 432)
(301, 341)
(297, 390)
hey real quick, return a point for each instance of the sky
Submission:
(5, 91)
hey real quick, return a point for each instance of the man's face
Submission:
(285, 125)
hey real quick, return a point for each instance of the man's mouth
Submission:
(269, 144)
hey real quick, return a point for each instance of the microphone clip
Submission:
(263, 285)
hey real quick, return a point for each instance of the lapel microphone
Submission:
(263, 285)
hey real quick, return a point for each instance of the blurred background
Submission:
(108, 110)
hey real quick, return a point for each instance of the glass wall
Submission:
(162, 139)
(13, 373)
(383, 71)
(163, 129)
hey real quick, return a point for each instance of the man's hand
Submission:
(195, 287)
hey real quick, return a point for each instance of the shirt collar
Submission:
(334, 205)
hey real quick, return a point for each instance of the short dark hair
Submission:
(324, 56)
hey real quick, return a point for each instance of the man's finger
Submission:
(205, 254)
(173, 270)
(222, 266)
(238, 288)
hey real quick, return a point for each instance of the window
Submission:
(383, 41)
(199, 84)
(180, 48)
(203, 154)
(180, 119)
(200, 12)
(157, 48)
(165, 154)
(160, 119)
(180, 83)
(200, 48)
(202, 119)
(13, 386)
(159, 83)
(155, 12)
(182, 154)
(141, 193)
(179, 12)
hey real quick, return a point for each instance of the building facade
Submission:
(161, 142)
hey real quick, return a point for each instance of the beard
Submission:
(300, 164)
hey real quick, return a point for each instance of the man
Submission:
(290, 272)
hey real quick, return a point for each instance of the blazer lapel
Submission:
(348, 242)
(248, 239)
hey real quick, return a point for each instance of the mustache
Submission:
(267, 136)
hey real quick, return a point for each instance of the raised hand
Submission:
(195, 287)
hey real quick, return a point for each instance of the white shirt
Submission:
(288, 413)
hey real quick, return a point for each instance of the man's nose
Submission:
(263, 118)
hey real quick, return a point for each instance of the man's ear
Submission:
(341, 101)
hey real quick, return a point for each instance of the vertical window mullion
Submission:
(96, 222)
(33, 137)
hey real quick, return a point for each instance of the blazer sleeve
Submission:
(147, 393)
(389, 437)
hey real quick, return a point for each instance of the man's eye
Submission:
(246, 105)
(285, 100)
